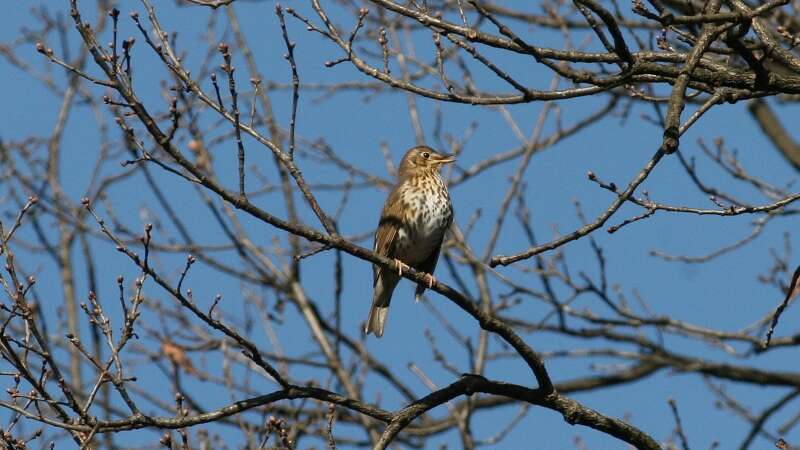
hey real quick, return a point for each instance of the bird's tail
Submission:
(377, 319)
(381, 297)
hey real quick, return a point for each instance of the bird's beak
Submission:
(444, 159)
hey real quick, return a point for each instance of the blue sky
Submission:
(724, 294)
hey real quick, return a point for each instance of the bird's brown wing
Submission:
(384, 281)
(388, 228)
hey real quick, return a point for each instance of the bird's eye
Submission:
(426, 155)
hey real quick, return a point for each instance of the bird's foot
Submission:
(399, 264)
(431, 280)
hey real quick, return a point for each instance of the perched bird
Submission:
(413, 222)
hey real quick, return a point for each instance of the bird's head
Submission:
(421, 159)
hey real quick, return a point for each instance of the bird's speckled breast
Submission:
(428, 214)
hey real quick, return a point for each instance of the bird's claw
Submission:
(399, 265)
(430, 278)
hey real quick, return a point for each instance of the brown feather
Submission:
(384, 282)
(388, 227)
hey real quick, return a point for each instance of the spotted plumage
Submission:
(413, 222)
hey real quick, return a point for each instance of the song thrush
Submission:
(413, 222)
